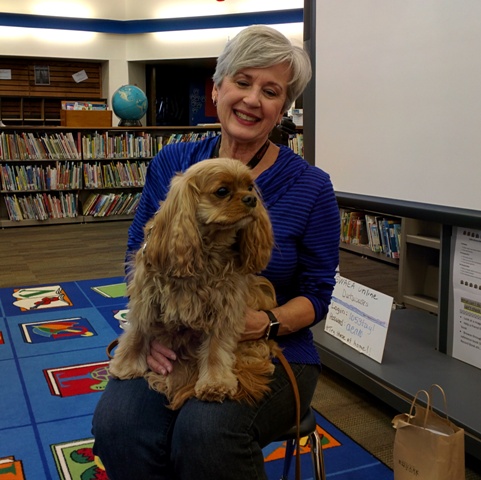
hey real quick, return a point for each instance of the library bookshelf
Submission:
(418, 350)
(58, 175)
(412, 244)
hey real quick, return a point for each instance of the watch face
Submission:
(273, 330)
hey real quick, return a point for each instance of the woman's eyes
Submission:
(269, 92)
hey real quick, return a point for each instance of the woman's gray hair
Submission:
(259, 46)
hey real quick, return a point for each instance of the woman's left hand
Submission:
(256, 325)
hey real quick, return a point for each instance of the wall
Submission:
(124, 55)
(398, 103)
(135, 9)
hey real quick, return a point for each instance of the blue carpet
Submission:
(53, 369)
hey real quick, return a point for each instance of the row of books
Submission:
(105, 205)
(23, 178)
(121, 174)
(81, 105)
(41, 206)
(296, 144)
(88, 146)
(105, 145)
(189, 137)
(381, 234)
(30, 146)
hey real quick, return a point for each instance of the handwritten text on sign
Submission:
(359, 316)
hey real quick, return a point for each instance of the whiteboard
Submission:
(398, 98)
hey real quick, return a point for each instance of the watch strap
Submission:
(273, 327)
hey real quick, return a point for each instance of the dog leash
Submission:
(110, 347)
(295, 389)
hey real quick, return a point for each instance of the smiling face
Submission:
(250, 103)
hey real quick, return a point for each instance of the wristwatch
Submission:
(273, 327)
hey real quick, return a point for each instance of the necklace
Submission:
(254, 161)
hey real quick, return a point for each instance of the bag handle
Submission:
(435, 385)
(429, 407)
(413, 404)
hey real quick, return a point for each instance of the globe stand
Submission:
(129, 123)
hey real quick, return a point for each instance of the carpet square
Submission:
(85, 328)
(46, 404)
(38, 298)
(114, 315)
(22, 444)
(54, 434)
(105, 291)
(13, 405)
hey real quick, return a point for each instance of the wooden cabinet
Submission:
(86, 118)
(64, 175)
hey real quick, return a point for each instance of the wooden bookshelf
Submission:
(76, 168)
(24, 101)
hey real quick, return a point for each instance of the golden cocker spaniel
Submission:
(191, 284)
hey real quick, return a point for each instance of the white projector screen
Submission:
(398, 99)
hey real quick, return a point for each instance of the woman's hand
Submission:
(257, 322)
(297, 313)
(161, 358)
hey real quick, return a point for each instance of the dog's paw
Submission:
(215, 391)
(156, 382)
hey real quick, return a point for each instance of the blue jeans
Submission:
(138, 437)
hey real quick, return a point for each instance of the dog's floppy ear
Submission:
(256, 242)
(174, 243)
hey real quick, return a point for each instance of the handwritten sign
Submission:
(359, 316)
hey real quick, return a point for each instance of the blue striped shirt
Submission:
(305, 219)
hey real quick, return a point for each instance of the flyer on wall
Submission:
(467, 296)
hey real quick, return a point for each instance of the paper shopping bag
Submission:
(427, 446)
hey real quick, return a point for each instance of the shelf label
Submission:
(359, 316)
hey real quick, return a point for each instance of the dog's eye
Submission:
(222, 192)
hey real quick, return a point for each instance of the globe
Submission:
(129, 103)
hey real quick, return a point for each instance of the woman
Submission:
(258, 76)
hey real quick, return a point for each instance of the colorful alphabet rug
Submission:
(53, 369)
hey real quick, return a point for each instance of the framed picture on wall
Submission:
(42, 75)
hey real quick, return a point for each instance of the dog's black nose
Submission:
(250, 200)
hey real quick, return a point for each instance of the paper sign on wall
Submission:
(466, 285)
(359, 316)
(5, 74)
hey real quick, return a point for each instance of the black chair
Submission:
(307, 429)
